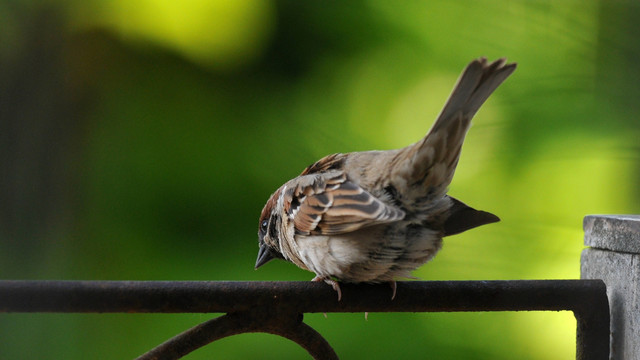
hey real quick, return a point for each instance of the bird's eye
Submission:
(263, 226)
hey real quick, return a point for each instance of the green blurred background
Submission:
(140, 139)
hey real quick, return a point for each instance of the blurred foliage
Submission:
(139, 140)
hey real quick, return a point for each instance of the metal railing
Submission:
(278, 307)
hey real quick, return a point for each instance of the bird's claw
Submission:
(334, 284)
(394, 287)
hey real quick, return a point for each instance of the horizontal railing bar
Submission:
(304, 297)
(586, 298)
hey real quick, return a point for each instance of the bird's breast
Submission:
(374, 254)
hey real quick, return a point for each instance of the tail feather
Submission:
(477, 82)
(433, 160)
(462, 217)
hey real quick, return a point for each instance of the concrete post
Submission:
(613, 255)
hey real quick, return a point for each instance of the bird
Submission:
(375, 216)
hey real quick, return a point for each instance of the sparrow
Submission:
(375, 216)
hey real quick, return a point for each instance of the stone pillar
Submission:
(613, 255)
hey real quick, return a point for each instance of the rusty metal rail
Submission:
(278, 307)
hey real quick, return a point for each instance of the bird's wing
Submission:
(328, 203)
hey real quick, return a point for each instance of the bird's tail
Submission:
(428, 165)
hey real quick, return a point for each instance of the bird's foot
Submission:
(334, 284)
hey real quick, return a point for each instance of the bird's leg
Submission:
(394, 286)
(334, 284)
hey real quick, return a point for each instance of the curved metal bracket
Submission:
(289, 326)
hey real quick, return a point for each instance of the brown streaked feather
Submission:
(328, 204)
(271, 203)
(329, 162)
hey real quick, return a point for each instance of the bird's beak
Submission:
(264, 256)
